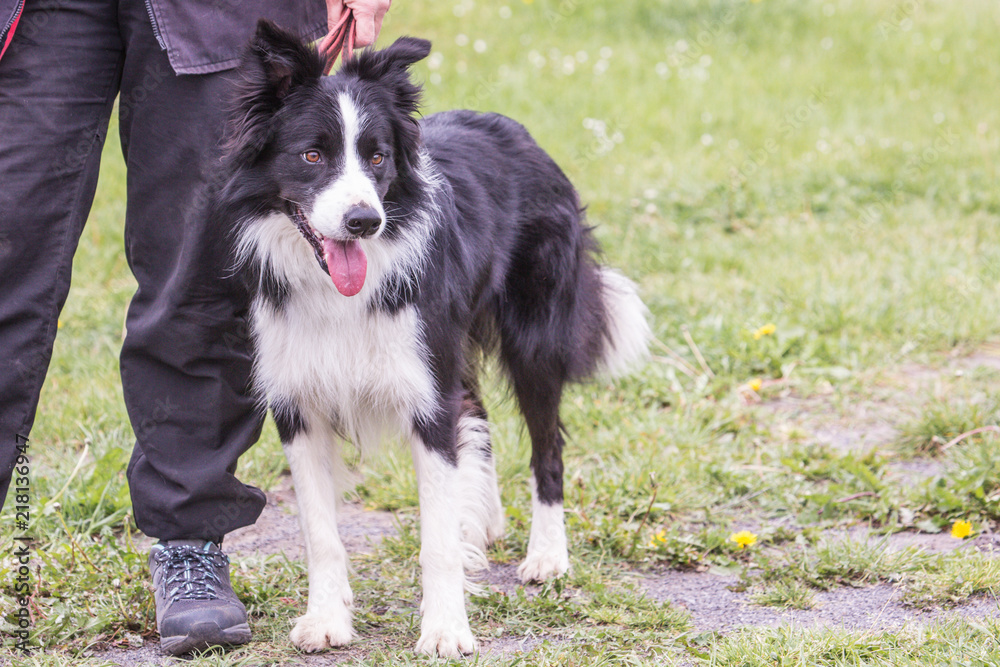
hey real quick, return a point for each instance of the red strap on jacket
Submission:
(10, 31)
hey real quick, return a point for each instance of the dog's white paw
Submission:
(447, 642)
(543, 565)
(316, 632)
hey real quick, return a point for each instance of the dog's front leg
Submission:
(444, 626)
(315, 464)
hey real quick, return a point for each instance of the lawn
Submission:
(806, 194)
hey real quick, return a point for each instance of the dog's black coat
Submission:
(509, 266)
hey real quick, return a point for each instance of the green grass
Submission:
(828, 167)
(786, 594)
(787, 577)
(947, 419)
(952, 643)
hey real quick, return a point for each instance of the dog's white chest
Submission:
(330, 354)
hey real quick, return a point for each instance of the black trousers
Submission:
(185, 362)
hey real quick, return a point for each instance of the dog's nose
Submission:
(362, 221)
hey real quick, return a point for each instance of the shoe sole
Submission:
(204, 635)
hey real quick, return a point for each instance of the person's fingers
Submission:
(352, 24)
(378, 20)
(335, 11)
(368, 15)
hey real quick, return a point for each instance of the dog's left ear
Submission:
(395, 59)
(390, 67)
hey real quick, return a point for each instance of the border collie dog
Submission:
(386, 256)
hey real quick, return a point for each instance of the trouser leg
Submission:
(58, 82)
(185, 362)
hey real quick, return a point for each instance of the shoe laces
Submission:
(190, 573)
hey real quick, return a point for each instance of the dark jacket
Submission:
(202, 36)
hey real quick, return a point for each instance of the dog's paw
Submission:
(543, 565)
(447, 642)
(316, 632)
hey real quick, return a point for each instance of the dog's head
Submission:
(327, 151)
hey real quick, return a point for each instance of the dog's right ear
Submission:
(274, 64)
(281, 59)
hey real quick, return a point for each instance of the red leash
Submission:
(339, 41)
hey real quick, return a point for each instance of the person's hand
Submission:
(368, 16)
(352, 23)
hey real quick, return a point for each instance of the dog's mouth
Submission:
(344, 261)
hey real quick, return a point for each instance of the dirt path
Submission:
(277, 529)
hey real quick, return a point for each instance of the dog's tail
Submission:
(627, 333)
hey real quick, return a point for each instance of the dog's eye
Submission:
(377, 159)
(312, 157)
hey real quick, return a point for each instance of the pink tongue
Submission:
(347, 263)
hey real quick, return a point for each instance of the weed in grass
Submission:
(93, 590)
(841, 562)
(928, 579)
(858, 562)
(954, 642)
(41, 660)
(588, 595)
(969, 487)
(685, 548)
(100, 498)
(953, 578)
(845, 484)
(786, 594)
(944, 420)
(269, 585)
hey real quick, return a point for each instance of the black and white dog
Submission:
(386, 256)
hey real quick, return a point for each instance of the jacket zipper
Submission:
(10, 22)
(156, 28)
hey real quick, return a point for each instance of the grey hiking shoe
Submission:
(195, 604)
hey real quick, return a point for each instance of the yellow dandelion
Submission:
(659, 538)
(961, 529)
(744, 539)
(755, 384)
(765, 330)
